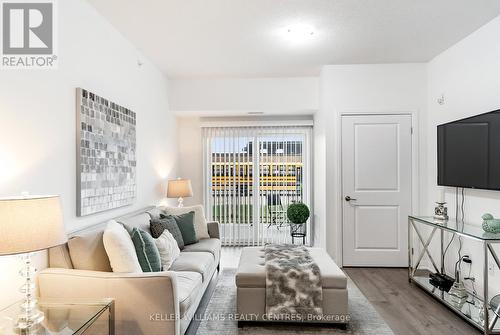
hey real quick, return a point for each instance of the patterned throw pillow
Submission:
(157, 226)
(146, 250)
(185, 222)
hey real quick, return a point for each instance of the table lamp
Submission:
(29, 224)
(179, 188)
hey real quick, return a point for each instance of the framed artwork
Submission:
(106, 154)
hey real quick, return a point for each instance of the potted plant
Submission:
(298, 213)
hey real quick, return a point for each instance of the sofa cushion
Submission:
(188, 289)
(59, 257)
(120, 248)
(146, 250)
(87, 252)
(157, 226)
(201, 262)
(200, 223)
(252, 272)
(211, 245)
(138, 221)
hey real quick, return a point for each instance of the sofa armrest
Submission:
(145, 303)
(213, 229)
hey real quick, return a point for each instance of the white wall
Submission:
(190, 156)
(362, 89)
(232, 96)
(468, 75)
(37, 127)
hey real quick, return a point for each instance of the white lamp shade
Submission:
(30, 224)
(179, 188)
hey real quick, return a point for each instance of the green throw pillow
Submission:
(146, 250)
(185, 222)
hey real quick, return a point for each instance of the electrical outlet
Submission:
(491, 268)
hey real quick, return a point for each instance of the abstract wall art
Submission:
(106, 154)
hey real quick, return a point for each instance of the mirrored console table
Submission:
(474, 309)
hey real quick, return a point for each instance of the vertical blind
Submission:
(252, 175)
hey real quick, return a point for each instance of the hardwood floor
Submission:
(405, 307)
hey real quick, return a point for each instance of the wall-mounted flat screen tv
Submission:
(469, 152)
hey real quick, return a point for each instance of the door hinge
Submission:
(411, 130)
(412, 250)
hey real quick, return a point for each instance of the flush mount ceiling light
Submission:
(298, 33)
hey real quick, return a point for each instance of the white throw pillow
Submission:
(200, 223)
(168, 248)
(120, 248)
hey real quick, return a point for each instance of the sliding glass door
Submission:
(252, 175)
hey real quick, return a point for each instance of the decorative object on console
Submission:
(458, 292)
(180, 189)
(441, 211)
(495, 305)
(30, 224)
(490, 224)
(106, 154)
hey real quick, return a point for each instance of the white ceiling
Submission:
(239, 38)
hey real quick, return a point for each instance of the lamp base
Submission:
(29, 318)
(29, 324)
(180, 201)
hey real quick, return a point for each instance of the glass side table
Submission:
(72, 317)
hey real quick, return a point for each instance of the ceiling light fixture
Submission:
(298, 33)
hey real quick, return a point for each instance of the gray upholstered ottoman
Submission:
(251, 287)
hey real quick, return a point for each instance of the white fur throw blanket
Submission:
(293, 283)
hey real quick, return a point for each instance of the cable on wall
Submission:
(456, 218)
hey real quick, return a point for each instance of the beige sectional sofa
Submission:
(145, 303)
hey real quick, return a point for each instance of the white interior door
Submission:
(376, 183)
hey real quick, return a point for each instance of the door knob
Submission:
(348, 198)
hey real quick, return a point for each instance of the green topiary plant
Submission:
(298, 213)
